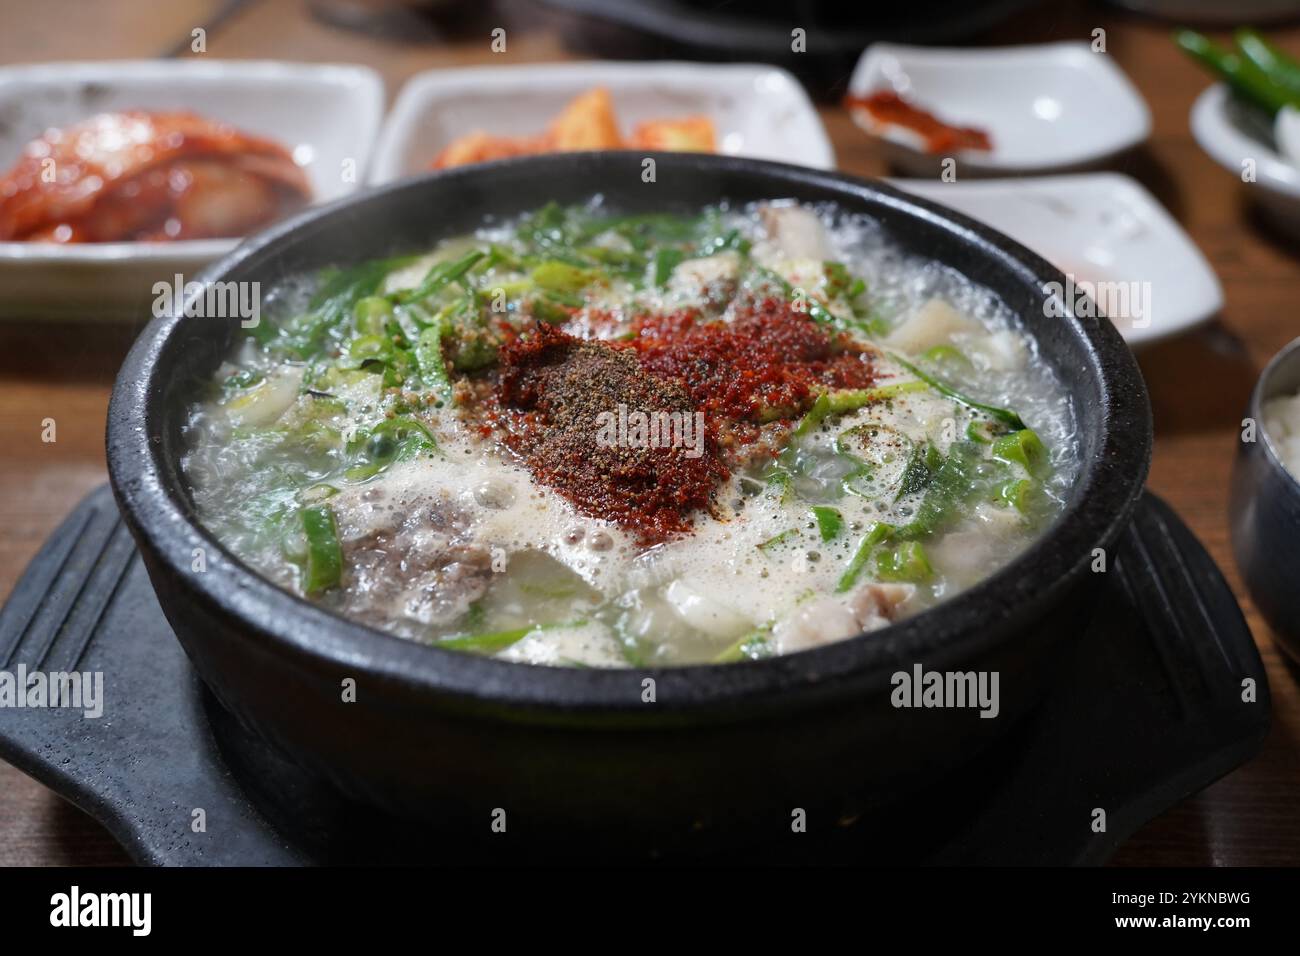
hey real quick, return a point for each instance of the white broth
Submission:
(592, 440)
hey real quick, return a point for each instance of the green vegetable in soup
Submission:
(829, 521)
(560, 277)
(883, 454)
(439, 276)
(753, 646)
(877, 533)
(1004, 415)
(666, 260)
(397, 439)
(497, 641)
(905, 561)
(954, 484)
(311, 416)
(324, 555)
(429, 358)
(1024, 448)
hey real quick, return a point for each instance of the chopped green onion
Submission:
(821, 407)
(776, 539)
(324, 555)
(982, 431)
(370, 314)
(829, 521)
(945, 353)
(750, 646)
(877, 533)
(440, 276)
(848, 400)
(495, 641)
(1017, 494)
(560, 277)
(666, 260)
(428, 358)
(1001, 414)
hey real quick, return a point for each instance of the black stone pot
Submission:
(725, 749)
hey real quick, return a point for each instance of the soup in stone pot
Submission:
(590, 439)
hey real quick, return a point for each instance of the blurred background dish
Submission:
(757, 111)
(1250, 123)
(1105, 230)
(326, 117)
(1034, 102)
(1265, 502)
(1238, 141)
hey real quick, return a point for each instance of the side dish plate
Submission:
(326, 116)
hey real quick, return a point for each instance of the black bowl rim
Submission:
(961, 626)
(1257, 396)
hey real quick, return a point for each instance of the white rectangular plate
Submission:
(758, 111)
(1051, 106)
(326, 116)
(1097, 227)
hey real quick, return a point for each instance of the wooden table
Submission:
(1199, 383)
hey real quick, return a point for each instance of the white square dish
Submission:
(1046, 107)
(324, 115)
(1097, 228)
(758, 111)
(1238, 140)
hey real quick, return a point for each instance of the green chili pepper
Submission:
(371, 313)
(324, 555)
(982, 431)
(1024, 448)
(428, 358)
(906, 561)
(1017, 494)
(547, 309)
(561, 277)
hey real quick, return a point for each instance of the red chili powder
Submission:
(768, 363)
(553, 395)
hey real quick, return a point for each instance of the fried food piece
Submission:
(136, 175)
(481, 147)
(691, 134)
(588, 122)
